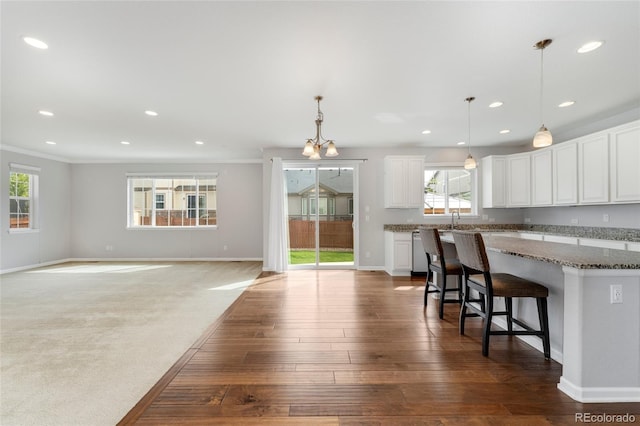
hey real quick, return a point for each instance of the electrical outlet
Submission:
(574, 221)
(605, 217)
(485, 217)
(616, 293)
(225, 248)
(527, 220)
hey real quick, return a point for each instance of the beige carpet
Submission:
(81, 343)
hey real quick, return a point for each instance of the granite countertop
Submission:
(561, 254)
(615, 234)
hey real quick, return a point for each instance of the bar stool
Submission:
(477, 276)
(433, 247)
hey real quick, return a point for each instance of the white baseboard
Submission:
(130, 259)
(599, 394)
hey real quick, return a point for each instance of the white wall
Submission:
(620, 216)
(99, 205)
(52, 240)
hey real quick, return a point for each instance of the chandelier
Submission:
(313, 146)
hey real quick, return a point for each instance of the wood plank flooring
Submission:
(355, 347)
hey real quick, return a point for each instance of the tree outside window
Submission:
(20, 200)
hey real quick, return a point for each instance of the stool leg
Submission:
(463, 307)
(487, 325)
(460, 289)
(544, 325)
(443, 293)
(426, 286)
(509, 305)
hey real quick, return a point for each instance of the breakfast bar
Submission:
(594, 311)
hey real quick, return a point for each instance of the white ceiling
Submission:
(242, 76)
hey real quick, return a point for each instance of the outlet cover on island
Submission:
(527, 220)
(574, 221)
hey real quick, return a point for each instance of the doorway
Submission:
(321, 210)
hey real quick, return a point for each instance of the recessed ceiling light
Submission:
(504, 131)
(495, 104)
(34, 42)
(151, 113)
(199, 143)
(125, 143)
(589, 47)
(462, 143)
(45, 113)
(426, 132)
(50, 142)
(566, 104)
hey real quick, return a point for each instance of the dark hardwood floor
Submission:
(347, 347)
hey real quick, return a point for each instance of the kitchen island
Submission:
(594, 311)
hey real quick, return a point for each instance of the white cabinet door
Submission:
(565, 173)
(494, 178)
(519, 180)
(625, 163)
(404, 182)
(398, 253)
(593, 169)
(541, 178)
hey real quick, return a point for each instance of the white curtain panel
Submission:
(278, 237)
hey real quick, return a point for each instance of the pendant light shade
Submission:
(469, 163)
(543, 137)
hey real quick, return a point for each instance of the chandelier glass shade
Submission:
(313, 147)
(543, 136)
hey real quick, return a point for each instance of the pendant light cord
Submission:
(541, 85)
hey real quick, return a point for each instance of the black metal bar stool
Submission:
(477, 276)
(445, 267)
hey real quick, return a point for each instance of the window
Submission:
(449, 190)
(160, 201)
(172, 201)
(23, 197)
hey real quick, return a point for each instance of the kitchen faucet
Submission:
(452, 218)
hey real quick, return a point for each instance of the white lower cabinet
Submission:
(592, 242)
(398, 253)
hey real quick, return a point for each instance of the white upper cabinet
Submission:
(565, 173)
(625, 163)
(404, 181)
(519, 180)
(593, 169)
(494, 179)
(541, 178)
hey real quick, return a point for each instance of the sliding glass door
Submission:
(320, 205)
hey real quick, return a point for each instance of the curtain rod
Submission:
(302, 160)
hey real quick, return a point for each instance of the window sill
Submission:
(172, 228)
(23, 231)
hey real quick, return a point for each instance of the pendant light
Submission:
(469, 163)
(543, 136)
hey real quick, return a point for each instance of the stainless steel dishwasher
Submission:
(418, 258)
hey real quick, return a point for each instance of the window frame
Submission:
(446, 167)
(170, 197)
(32, 199)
